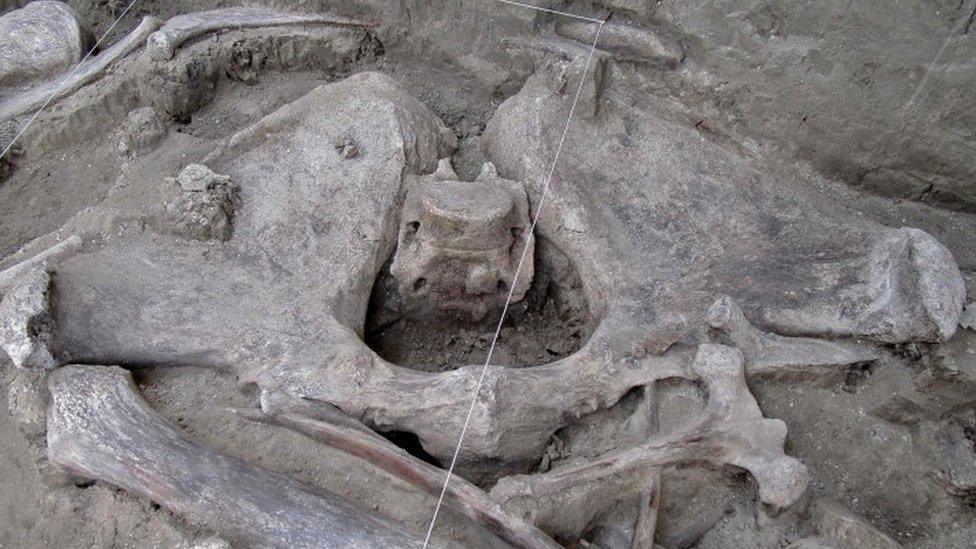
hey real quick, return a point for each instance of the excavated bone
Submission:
(733, 432)
(24, 321)
(45, 260)
(672, 219)
(650, 502)
(460, 244)
(41, 39)
(162, 44)
(306, 248)
(627, 43)
(911, 290)
(773, 355)
(461, 495)
(85, 73)
(99, 427)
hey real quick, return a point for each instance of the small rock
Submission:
(42, 39)
(197, 178)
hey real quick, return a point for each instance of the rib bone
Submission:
(99, 427)
(163, 43)
(461, 495)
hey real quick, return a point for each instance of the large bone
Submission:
(732, 432)
(58, 88)
(99, 427)
(461, 494)
(771, 355)
(163, 43)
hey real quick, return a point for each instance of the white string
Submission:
(518, 270)
(64, 82)
(547, 10)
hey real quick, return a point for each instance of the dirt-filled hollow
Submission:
(551, 322)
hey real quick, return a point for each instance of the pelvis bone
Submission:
(282, 303)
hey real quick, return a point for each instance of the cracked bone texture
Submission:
(41, 39)
(162, 44)
(24, 321)
(100, 427)
(460, 244)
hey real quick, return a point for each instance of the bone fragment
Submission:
(626, 43)
(771, 355)
(650, 502)
(84, 73)
(163, 43)
(99, 427)
(461, 495)
(44, 260)
(732, 432)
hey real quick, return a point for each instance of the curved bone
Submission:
(82, 74)
(774, 355)
(461, 495)
(627, 43)
(99, 427)
(733, 432)
(162, 44)
(46, 259)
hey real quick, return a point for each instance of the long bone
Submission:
(461, 494)
(733, 432)
(163, 43)
(771, 355)
(99, 427)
